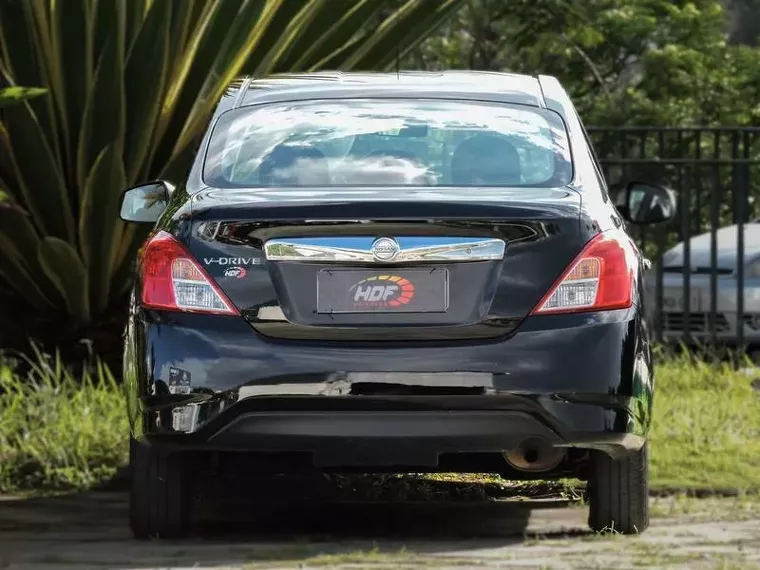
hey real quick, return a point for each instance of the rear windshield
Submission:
(371, 142)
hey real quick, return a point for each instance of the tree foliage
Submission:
(625, 62)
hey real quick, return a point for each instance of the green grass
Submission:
(58, 431)
(62, 432)
(706, 428)
(739, 508)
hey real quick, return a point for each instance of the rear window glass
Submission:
(388, 142)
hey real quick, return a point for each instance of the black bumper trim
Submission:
(381, 438)
(387, 437)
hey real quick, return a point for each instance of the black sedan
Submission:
(391, 273)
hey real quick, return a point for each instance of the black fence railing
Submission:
(705, 289)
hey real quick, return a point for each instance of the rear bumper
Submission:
(413, 431)
(212, 383)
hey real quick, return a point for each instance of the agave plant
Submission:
(130, 86)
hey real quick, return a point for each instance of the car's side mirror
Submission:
(645, 203)
(145, 203)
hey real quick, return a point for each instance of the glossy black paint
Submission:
(531, 221)
(586, 377)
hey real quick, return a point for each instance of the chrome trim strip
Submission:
(413, 249)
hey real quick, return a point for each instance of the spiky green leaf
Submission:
(99, 224)
(11, 95)
(330, 31)
(15, 273)
(145, 76)
(104, 120)
(19, 243)
(21, 64)
(63, 267)
(37, 173)
(72, 26)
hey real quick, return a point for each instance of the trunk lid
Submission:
(298, 262)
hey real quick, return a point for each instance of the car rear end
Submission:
(365, 306)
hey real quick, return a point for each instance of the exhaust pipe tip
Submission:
(534, 454)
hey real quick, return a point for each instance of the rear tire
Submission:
(161, 493)
(618, 492)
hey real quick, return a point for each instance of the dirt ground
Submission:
(89, 531)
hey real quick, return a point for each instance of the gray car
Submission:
(699, 320)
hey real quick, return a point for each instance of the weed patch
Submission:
(706, 428)
(58, 431)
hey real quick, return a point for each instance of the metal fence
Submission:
(710, 291)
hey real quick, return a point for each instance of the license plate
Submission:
(672, 300)
(389, 291)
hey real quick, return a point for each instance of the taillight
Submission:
(599, 279)
(173, 281)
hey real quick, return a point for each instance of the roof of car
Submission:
(487, 85)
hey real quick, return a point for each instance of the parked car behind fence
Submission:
(707, 309)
